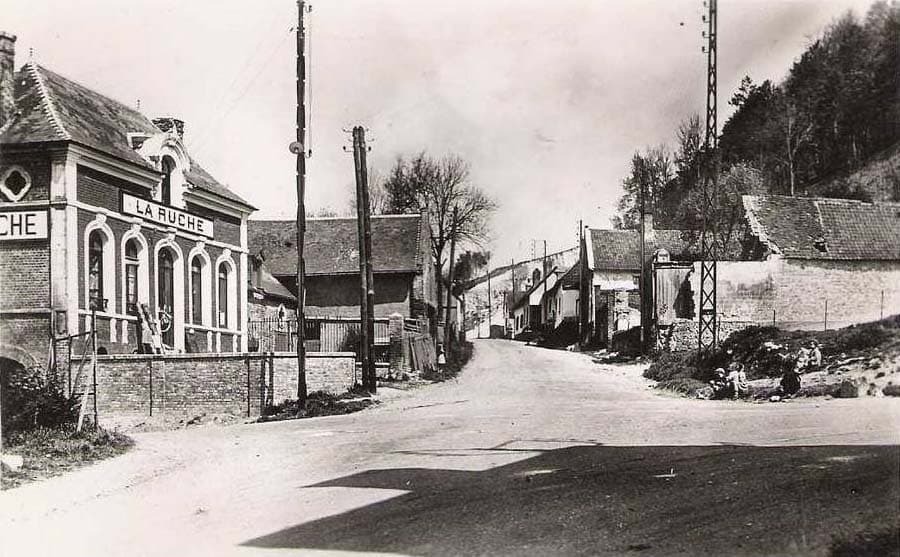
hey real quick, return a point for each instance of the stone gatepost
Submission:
(395, 331)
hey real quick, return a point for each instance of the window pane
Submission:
(223, 296)
(95, 271)
(196, 293)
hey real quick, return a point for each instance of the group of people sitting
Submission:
(809, 358)
(734, 384)
(730, 385)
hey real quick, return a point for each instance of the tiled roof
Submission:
(527, 294)
(51, 107)
(199, 178)
(823, 228)
(572, 279)
(621, 249)
(332, 245)
(270, 285)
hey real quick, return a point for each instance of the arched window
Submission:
(196, 290)
(168, 166)
(165, 296)
(95, 270)
(536, 276)
(132, 264)
(223, 277)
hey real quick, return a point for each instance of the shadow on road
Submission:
(722, 500)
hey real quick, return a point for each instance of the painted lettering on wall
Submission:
(166, 216)
(23, 225)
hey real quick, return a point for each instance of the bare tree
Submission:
(795, 129)
(437, 186)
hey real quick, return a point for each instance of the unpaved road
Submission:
(529, 452)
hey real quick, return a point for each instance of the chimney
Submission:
(7, 79)
(170, 125)
(258, 261)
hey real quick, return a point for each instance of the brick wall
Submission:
(333, 372)
(25, 338)
(24, 274)
(188, 384)
(37, 166)
(102, 190)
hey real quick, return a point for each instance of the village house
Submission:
(104, 209)
(528, 311)
(562, 299)
(806, 263)
(401, 259)
(613, 263)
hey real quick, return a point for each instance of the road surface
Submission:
(528, 452)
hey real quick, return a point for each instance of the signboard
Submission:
(23, 225)
(167, 216)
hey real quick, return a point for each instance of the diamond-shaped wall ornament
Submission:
(15, 183)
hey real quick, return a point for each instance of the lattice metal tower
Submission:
(708, 330)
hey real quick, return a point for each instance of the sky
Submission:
(547, 101)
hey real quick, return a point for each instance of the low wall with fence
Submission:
(401, 345)
(129, 385)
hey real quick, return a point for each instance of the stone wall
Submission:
(682, 334)
(131, 385)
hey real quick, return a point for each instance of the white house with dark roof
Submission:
(103, 208)
(613, 268)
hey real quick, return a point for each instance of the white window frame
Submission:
(231, 294)
(143, 275)
(206, 315)
(108, 291)
(177, 287)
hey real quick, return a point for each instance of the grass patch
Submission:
(318, 404)
(769, 352)
(53, 451)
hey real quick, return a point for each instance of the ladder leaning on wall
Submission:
(150, 328)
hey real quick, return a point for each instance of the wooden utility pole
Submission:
(447, 334)
(367, 288)
(490, 306)
(641, 282)
(298, 147)
(370, 271)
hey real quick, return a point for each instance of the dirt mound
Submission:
(860, 359)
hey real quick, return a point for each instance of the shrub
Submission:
(674, 365)
(684, 385)
(627, 343)
(29, 402)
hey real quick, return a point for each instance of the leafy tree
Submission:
(727, 212)
(651, 174)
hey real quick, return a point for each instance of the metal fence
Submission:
(322, 334)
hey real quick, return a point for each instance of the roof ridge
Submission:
(756, 227)
(47, 105)
(121, 105)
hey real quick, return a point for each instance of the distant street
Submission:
(529, 452)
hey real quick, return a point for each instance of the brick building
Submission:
(806, 263)
(101, 207)
(401, 260)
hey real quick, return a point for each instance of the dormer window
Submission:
(168, 166)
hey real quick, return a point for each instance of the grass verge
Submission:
(768, 352)
(50, 452)
(318, 404)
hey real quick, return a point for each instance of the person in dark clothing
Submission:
(790, 383)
